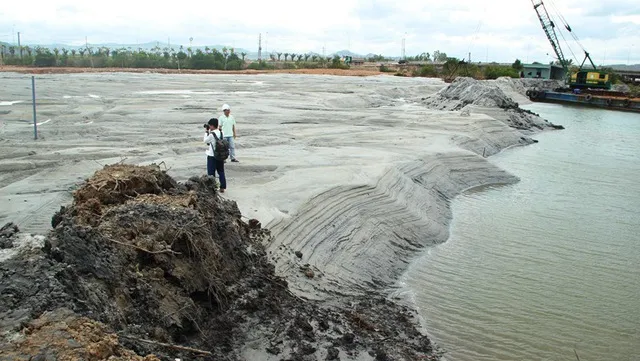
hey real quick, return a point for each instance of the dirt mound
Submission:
(464, 91)
(174, 271)
(64, 336)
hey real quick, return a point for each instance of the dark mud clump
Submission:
(8, 233)
(141, 265)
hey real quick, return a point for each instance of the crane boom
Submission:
(549, 28)
(582, 78)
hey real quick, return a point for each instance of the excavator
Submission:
(583, 78)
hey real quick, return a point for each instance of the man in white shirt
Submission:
(228, 127)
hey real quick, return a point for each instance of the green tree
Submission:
(517, 65)
(497, 71)
(285, 56)
(439, 56)
(279, 55)
(44, 58)
(181, 56)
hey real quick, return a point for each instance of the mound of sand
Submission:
(475, 96)
(141, 265)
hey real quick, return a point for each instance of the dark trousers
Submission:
(213, 166)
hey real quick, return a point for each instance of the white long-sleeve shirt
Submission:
(210, 140)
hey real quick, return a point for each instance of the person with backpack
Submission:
(217, 151)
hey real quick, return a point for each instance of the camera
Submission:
(206, 126)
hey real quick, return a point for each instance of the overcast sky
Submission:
(494, 30)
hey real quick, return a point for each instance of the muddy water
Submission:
(538, 269)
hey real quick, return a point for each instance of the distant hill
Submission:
(146, 46)
(632, 67)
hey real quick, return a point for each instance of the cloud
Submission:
(499, 30)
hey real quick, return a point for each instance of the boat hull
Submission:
(599, 101)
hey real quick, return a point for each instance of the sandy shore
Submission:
(354, 172)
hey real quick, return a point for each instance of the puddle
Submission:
(12, 102)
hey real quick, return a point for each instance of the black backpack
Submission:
(221, 150)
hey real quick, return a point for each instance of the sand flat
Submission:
(354, 172)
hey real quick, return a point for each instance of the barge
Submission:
(600, 99)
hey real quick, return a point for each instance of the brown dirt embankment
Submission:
(72, 70)
(139, 267)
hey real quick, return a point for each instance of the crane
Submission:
(582, 78)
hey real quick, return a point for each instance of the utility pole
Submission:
(403, 52)
(260, 47)
(469, 57)
(19, 47)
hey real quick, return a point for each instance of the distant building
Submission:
(357, 61)
(542, 71)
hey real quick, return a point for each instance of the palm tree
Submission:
(314, 58)
(207, 49)
(272, 56)
(12, 51)
(56, 51)
(81, 51)
(73, 53)
(243, 54)
(306, 57)
(28, 50)
(279, 55)
(285, 56)
(225, 53)
(292, 56)
(300, 57)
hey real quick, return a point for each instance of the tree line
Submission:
(157, 57)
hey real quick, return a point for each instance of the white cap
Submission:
(226, 107)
